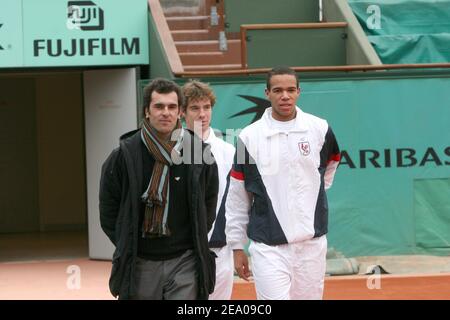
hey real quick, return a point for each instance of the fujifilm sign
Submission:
(85, 33)
(85, 16)
(86, 47)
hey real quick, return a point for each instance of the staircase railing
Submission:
(168, 44)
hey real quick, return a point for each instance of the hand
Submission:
(241, 264)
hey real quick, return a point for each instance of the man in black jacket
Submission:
(158, 203)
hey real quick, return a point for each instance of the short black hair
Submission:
(161, 85)
(280, 71)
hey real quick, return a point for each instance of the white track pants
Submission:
(224, 274)
(294, 271)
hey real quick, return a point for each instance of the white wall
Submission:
(110, 104)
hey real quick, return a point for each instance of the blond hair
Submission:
(196, 90)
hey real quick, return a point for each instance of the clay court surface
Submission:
(57, 280)
(56, 266)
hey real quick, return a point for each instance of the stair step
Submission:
(188, 23)
(206, 45)
(193, 35)
(183, 12)
(213, 67)
(211, 57)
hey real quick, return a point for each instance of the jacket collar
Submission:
(271, 130)
(129, 134)
(211, 137)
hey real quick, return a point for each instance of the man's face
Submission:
(198, 115)
(283, 95)
(163, 112)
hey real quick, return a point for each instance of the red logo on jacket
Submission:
(304, 148)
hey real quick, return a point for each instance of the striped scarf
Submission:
(156, 197)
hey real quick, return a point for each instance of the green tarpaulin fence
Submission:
(406, 31)
(391, 193)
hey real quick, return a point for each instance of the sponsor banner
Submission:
(390, 194)
(10, 33)
(79, 33)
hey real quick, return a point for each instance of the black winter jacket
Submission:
(120, 188)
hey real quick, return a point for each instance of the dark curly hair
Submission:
(163, 86)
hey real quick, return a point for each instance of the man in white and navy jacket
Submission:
(197, 112)
(283, 164)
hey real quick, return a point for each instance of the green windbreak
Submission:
(412, 48)
(391, 193)
(406, 31)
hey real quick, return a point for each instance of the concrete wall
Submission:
(359, 49)
(110, 111)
